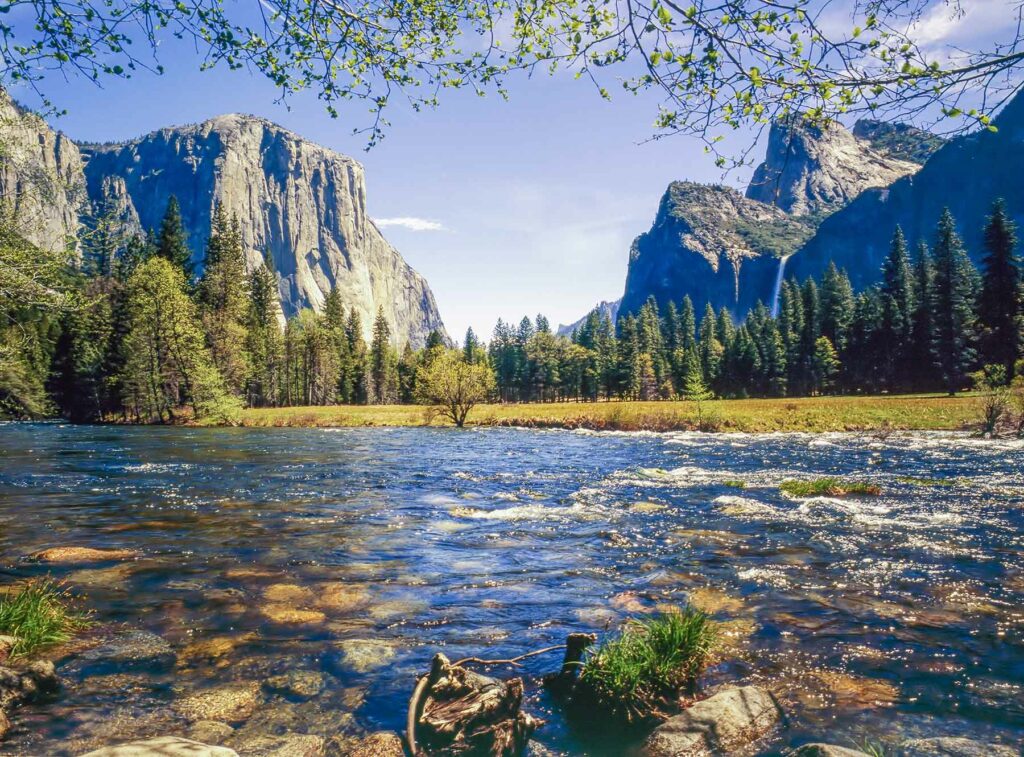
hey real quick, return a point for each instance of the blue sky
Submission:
(509, 208)
(537, 199)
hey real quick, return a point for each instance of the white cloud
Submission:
(410, 223)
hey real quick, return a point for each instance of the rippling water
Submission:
(359, 553)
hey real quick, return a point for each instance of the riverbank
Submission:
(922, 412)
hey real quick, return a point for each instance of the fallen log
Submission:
(455, 711)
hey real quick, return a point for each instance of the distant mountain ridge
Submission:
(301, 206)
(604, 307)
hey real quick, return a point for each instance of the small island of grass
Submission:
(39, 614)
(829, 487)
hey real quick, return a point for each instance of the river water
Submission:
(357, 554)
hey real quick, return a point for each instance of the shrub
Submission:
(639, 674)
(735, 484)
(38, 614)
(828, 487)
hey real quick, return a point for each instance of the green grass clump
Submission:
(913, 481)
(828, 487)
(735, 484)
(39, 614)
(639, 674)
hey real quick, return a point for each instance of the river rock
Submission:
(298, 684)
(230, 703)
(379, 744)
(129, 650)
(954, 746)
(163, 746)
(210, 731)
(286, 745)
(730, 720)
(465, 713)
(7, 644)
(18, 687)
(825, 750)
(362, 655)
(5, 725)
(77, 555)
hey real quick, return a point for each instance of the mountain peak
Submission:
(810, 169)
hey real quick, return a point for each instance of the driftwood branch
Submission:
(441, 666)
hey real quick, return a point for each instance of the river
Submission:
(355, 554)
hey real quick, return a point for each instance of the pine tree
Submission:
(695, 389)
(953, 304)
(824, 365)
(172, 240)
(922, 366)
(358, 376)
(836, 306)
(865, 361)
(263, 340)
(897, 292)
(408, 365)
(687, 325)
(224, 301)
(471, 349)
(709, 348)
(383, 362)
(1000, 307)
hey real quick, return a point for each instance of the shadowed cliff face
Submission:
(300, 205)
(966, 175)
(713, 244)
(40, 177)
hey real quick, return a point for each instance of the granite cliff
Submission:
(301, 206)
(40, 177)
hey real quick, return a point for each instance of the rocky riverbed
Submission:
(265, 590)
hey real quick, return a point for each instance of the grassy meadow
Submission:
(813, 414)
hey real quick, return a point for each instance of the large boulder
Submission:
(954, 746)
(730, 720)
(163, 746)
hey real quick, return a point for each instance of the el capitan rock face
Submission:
(300, 205)
(40, 176)
(713, 244)
(810, 170)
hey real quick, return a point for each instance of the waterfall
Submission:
(778, 285)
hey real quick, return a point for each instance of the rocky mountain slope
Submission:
(966, 175)
(810, 170)
(40, 177)
(713, 244)
(730, 250)
(611, 308)
(300, 205)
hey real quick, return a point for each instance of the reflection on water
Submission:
(298, 579)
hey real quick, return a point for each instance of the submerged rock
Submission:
(163, 746)
(825, 750)
(230, 703)
(128, 650)
(17, 688)
(75, 555)
(953, 746)
(285, 745)
(379, 744)
(364, 655)
(298, 684)
(210, 731)
(730, 720)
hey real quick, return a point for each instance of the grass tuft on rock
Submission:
(829, 487)
(39, 614)
(639, 674)
(733, 483)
